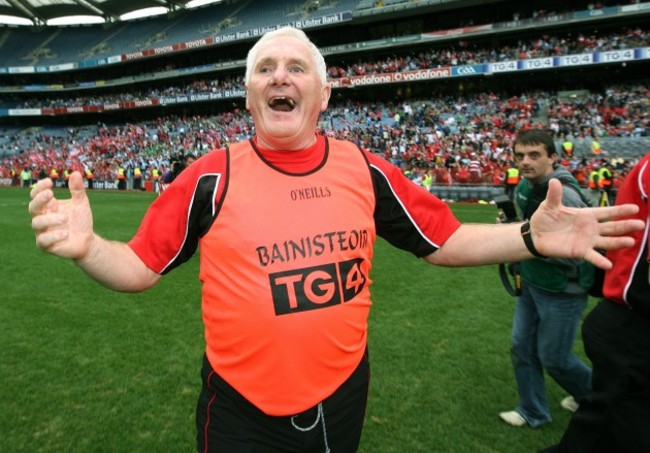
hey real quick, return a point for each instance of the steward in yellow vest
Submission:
(121, 178)
(512, 179)
(89, 178)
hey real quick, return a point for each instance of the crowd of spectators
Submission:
(618, 111)
(468, 52)
(443, 140)
(462, 53)
(105, 149)
(200, 86)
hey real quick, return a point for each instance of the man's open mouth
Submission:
(282, 104)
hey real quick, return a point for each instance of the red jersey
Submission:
(286, 243)
(627, 282)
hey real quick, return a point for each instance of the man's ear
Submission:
(246, 90)
(326, 92)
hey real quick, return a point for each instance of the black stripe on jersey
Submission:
(637, 293)
(203, 210)
(392, 220)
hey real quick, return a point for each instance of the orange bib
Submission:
(286, 273)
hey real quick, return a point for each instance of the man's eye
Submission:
(296, 69)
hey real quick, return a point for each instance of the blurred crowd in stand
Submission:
(443, 139)
(446, 140)
(461, 53)
(467, 52)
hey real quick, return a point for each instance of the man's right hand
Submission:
(62, 227)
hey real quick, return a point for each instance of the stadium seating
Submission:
(204, 23)
(20, 46)
(455, 115)
(19, 43)
(624, 147)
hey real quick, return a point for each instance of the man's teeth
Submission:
(282, 104)
(282, 100)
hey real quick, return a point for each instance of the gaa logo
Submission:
(316, 287)
(466, 70)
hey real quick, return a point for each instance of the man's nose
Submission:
(280, 75)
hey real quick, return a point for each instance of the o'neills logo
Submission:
(310, 192)
(316, 287)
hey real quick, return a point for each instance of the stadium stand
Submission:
(175, 101)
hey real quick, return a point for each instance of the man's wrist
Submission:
(528, 240)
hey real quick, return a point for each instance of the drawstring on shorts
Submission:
(320, 416)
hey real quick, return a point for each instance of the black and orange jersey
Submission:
(286, 242)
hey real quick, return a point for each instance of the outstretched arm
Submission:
(65, 228)
(557, 231)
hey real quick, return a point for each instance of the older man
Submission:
(286, 223)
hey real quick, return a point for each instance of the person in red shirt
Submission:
(462, 176)
(580, 173)
(443, 176)
(286, 270)
(616, 335)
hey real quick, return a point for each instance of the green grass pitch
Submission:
(85, 369)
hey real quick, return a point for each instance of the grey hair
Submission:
(290, 32)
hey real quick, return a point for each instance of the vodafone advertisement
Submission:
(485, 69)
(407, 76)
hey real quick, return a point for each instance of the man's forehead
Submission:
(530, 147)
(273, 47)
(271, 58)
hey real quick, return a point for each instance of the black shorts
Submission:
(614, 417)
(226, 422)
